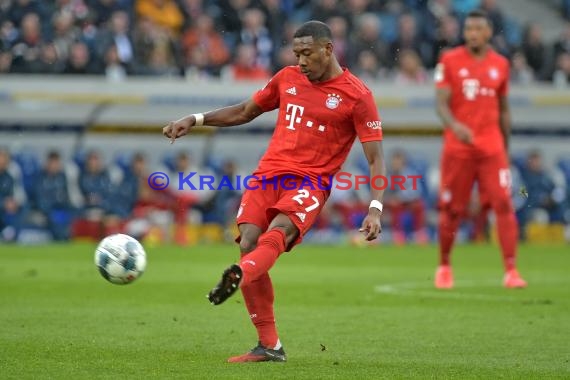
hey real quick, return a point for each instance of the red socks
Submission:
(258, 296)
(257, 288)
(269, 246)
(507, 231)
(508, 238)
(448, 225)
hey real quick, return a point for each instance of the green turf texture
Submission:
(342, 312)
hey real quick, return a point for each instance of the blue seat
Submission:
(564, 166)
(123, 160)
(519, 161)
(30, 166)
(79, 158)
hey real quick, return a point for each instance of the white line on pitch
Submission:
(417, 289)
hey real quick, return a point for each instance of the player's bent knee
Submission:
(284, 223)
(249, 234)
(247, 245)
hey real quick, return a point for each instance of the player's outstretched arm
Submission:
(374, 153)
(223, 117)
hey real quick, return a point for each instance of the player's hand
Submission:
(463, 133)
(371, 226)
(178, 128)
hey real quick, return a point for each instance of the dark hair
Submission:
(53, 155)
(479, 13)
(316, 29)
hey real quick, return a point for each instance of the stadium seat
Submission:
(123, 160)
(519, 161)
(19, 190)
(30, 166)
(564, 166)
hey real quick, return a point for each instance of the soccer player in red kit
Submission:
(323, 107)
(472, 90)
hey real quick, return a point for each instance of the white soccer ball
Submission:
(120, 258)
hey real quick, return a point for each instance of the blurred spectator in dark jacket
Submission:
(26, 48)
(95, 184)
(562, 45)
(229, 19)
(64, 33)
(325, 9)
(366, 37)
(51, 197)
(566, 9)
(8, 34)
(405, 202)
(155, 50)
(48, 62)
(128, 191)
(339, 31)
(448, 35)
(543, 193)
(102, 10)
(408, 38)
(117, 34)
(80, 60)
(255, 33)
(223, 206)
(521, 72)
(534, 49)
(496, 16)
(20, 8)
(9, 206)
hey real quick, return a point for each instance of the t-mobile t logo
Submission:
(293, 115)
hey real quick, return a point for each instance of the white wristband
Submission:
(199, 119)
(376, 204)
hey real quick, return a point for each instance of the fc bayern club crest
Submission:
(494, 73)
(333, 101)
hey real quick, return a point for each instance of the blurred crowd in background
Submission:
(397, 40)
(88, 196)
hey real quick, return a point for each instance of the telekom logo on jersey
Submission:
(472, 88)
(293, 116)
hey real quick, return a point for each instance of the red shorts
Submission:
(458, 175)
(288, 195)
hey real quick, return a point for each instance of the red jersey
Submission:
(317, 123)
(475, 86)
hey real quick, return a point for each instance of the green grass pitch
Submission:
(342, 313)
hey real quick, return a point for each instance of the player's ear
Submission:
(489, 30)
(328, 48)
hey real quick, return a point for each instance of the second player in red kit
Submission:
(323, 108)
(472, 101)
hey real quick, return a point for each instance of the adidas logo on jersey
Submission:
(301, 216)
(292, 91)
